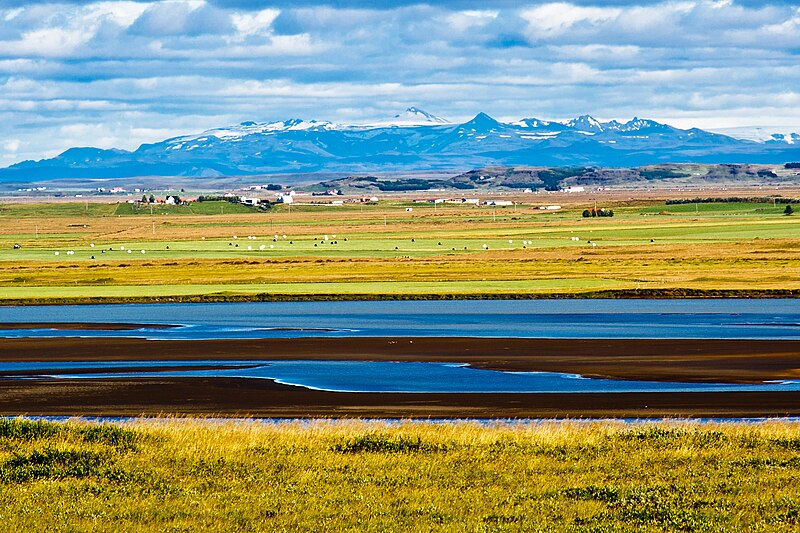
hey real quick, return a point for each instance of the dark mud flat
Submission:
(684, 360)
(732, 361)
(264, 398)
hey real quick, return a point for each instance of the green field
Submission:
(118, 251)
(183, 475)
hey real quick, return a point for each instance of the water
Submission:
(637, 319)
(368, 376)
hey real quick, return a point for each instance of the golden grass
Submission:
(188, 475)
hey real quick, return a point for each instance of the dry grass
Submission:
(184, 475)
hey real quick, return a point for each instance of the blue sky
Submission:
(120, 73)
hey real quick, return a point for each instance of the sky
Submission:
(121, 73)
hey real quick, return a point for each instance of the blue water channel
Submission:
(635, 319)
(366, 376)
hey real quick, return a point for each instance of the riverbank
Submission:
(685, 360)
(232, 297)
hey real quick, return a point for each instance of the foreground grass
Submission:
(181, 475)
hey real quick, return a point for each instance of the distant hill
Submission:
(413, 140)
(554, 178)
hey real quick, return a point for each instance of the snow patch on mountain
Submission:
(586, 124)
(256, 128)
(413, 116)
(763, 134)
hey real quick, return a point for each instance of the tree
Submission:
(152, 199)
(144, 198)
(788, 210)
(587, 213)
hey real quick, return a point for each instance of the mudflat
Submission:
(264, 398)
(687, 360)
(743, 361)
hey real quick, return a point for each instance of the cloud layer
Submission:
(119, 73)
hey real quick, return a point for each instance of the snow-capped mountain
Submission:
(412, 140)
(586, 124)
(412, 116)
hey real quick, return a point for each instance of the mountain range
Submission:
(412, 140)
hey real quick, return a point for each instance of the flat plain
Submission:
(395, 474)
(90, 251)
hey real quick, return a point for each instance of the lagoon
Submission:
(371, 376)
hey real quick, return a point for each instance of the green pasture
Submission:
(405, 243)
(195, 208)
(718, 209)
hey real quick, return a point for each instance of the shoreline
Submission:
(643, 294)
(247, 398)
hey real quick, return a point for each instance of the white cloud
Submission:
(257, 23)
(552, 19)
(465, 20)
(11, 145)
(50, 42)
(125, 72)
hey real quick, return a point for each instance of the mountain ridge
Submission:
(412, 140)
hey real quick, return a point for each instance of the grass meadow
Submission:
(190, 475)
(119, 251)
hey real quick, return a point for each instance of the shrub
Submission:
(383, 443)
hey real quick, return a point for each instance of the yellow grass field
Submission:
(184, 475)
